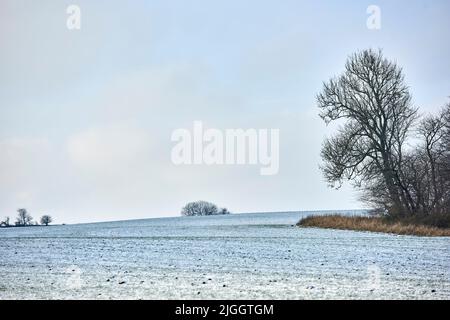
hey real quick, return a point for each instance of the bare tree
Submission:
(446, 142)
(46, 219)
(374, 103)
(199, 208)
(224, 211)
(23, 218)
(434, 192)
(5, 223)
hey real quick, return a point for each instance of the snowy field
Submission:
(242, 256)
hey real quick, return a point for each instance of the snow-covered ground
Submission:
(245, 256)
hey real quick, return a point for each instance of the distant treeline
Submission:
(25, 219)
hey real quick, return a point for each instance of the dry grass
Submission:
(372, 224)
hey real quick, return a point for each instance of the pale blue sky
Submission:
(86, 116)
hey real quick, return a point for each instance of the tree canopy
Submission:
(372, 103)
(202, 208)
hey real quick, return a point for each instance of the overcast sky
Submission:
(86, 116)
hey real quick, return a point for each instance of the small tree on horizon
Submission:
(224, 211)
(202, 208)
(199, 208)
(46, 220)
(5, 222)
(23, 217)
